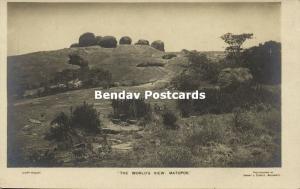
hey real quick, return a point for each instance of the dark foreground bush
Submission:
(130, 108)
(169, 120)
(264, 61)
(86, 117)
(60, 128)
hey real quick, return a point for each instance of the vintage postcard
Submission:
(141, 94)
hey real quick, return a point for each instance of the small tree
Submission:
(235, 42)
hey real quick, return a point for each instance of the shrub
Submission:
(169, 119)
(186, 82)
(130, 108)
(87, 39)
(99, 77)
(185, 106)
(76, 59)
(86, 117)
(264, 61)
(60, 128)
(125, 40)
(200, 65)
(176, 156)
(108, 42)
(199, 70)
(159, 45)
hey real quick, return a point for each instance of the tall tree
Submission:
(235, 43)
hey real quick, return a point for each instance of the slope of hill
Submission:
(33, 69)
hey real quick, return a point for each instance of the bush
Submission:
(176, 156)
(186, 82)
(86, 117)
(264, 61)
(108, 42)
(130, 108)
(185, 106)
(200, 70)
(169, 119)
(78, 60)
(125, 40)
(202, 66)
(87, 39)
(60, 128)
(99, 77)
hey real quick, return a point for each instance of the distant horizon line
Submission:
(131, 45)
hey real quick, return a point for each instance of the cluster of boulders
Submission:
(89, 39)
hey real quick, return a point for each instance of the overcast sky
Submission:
(49, 26)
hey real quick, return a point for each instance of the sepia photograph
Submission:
(144, 85)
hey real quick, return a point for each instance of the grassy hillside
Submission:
(34, 68)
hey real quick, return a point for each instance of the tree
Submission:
(235, 43)
(264, 61)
